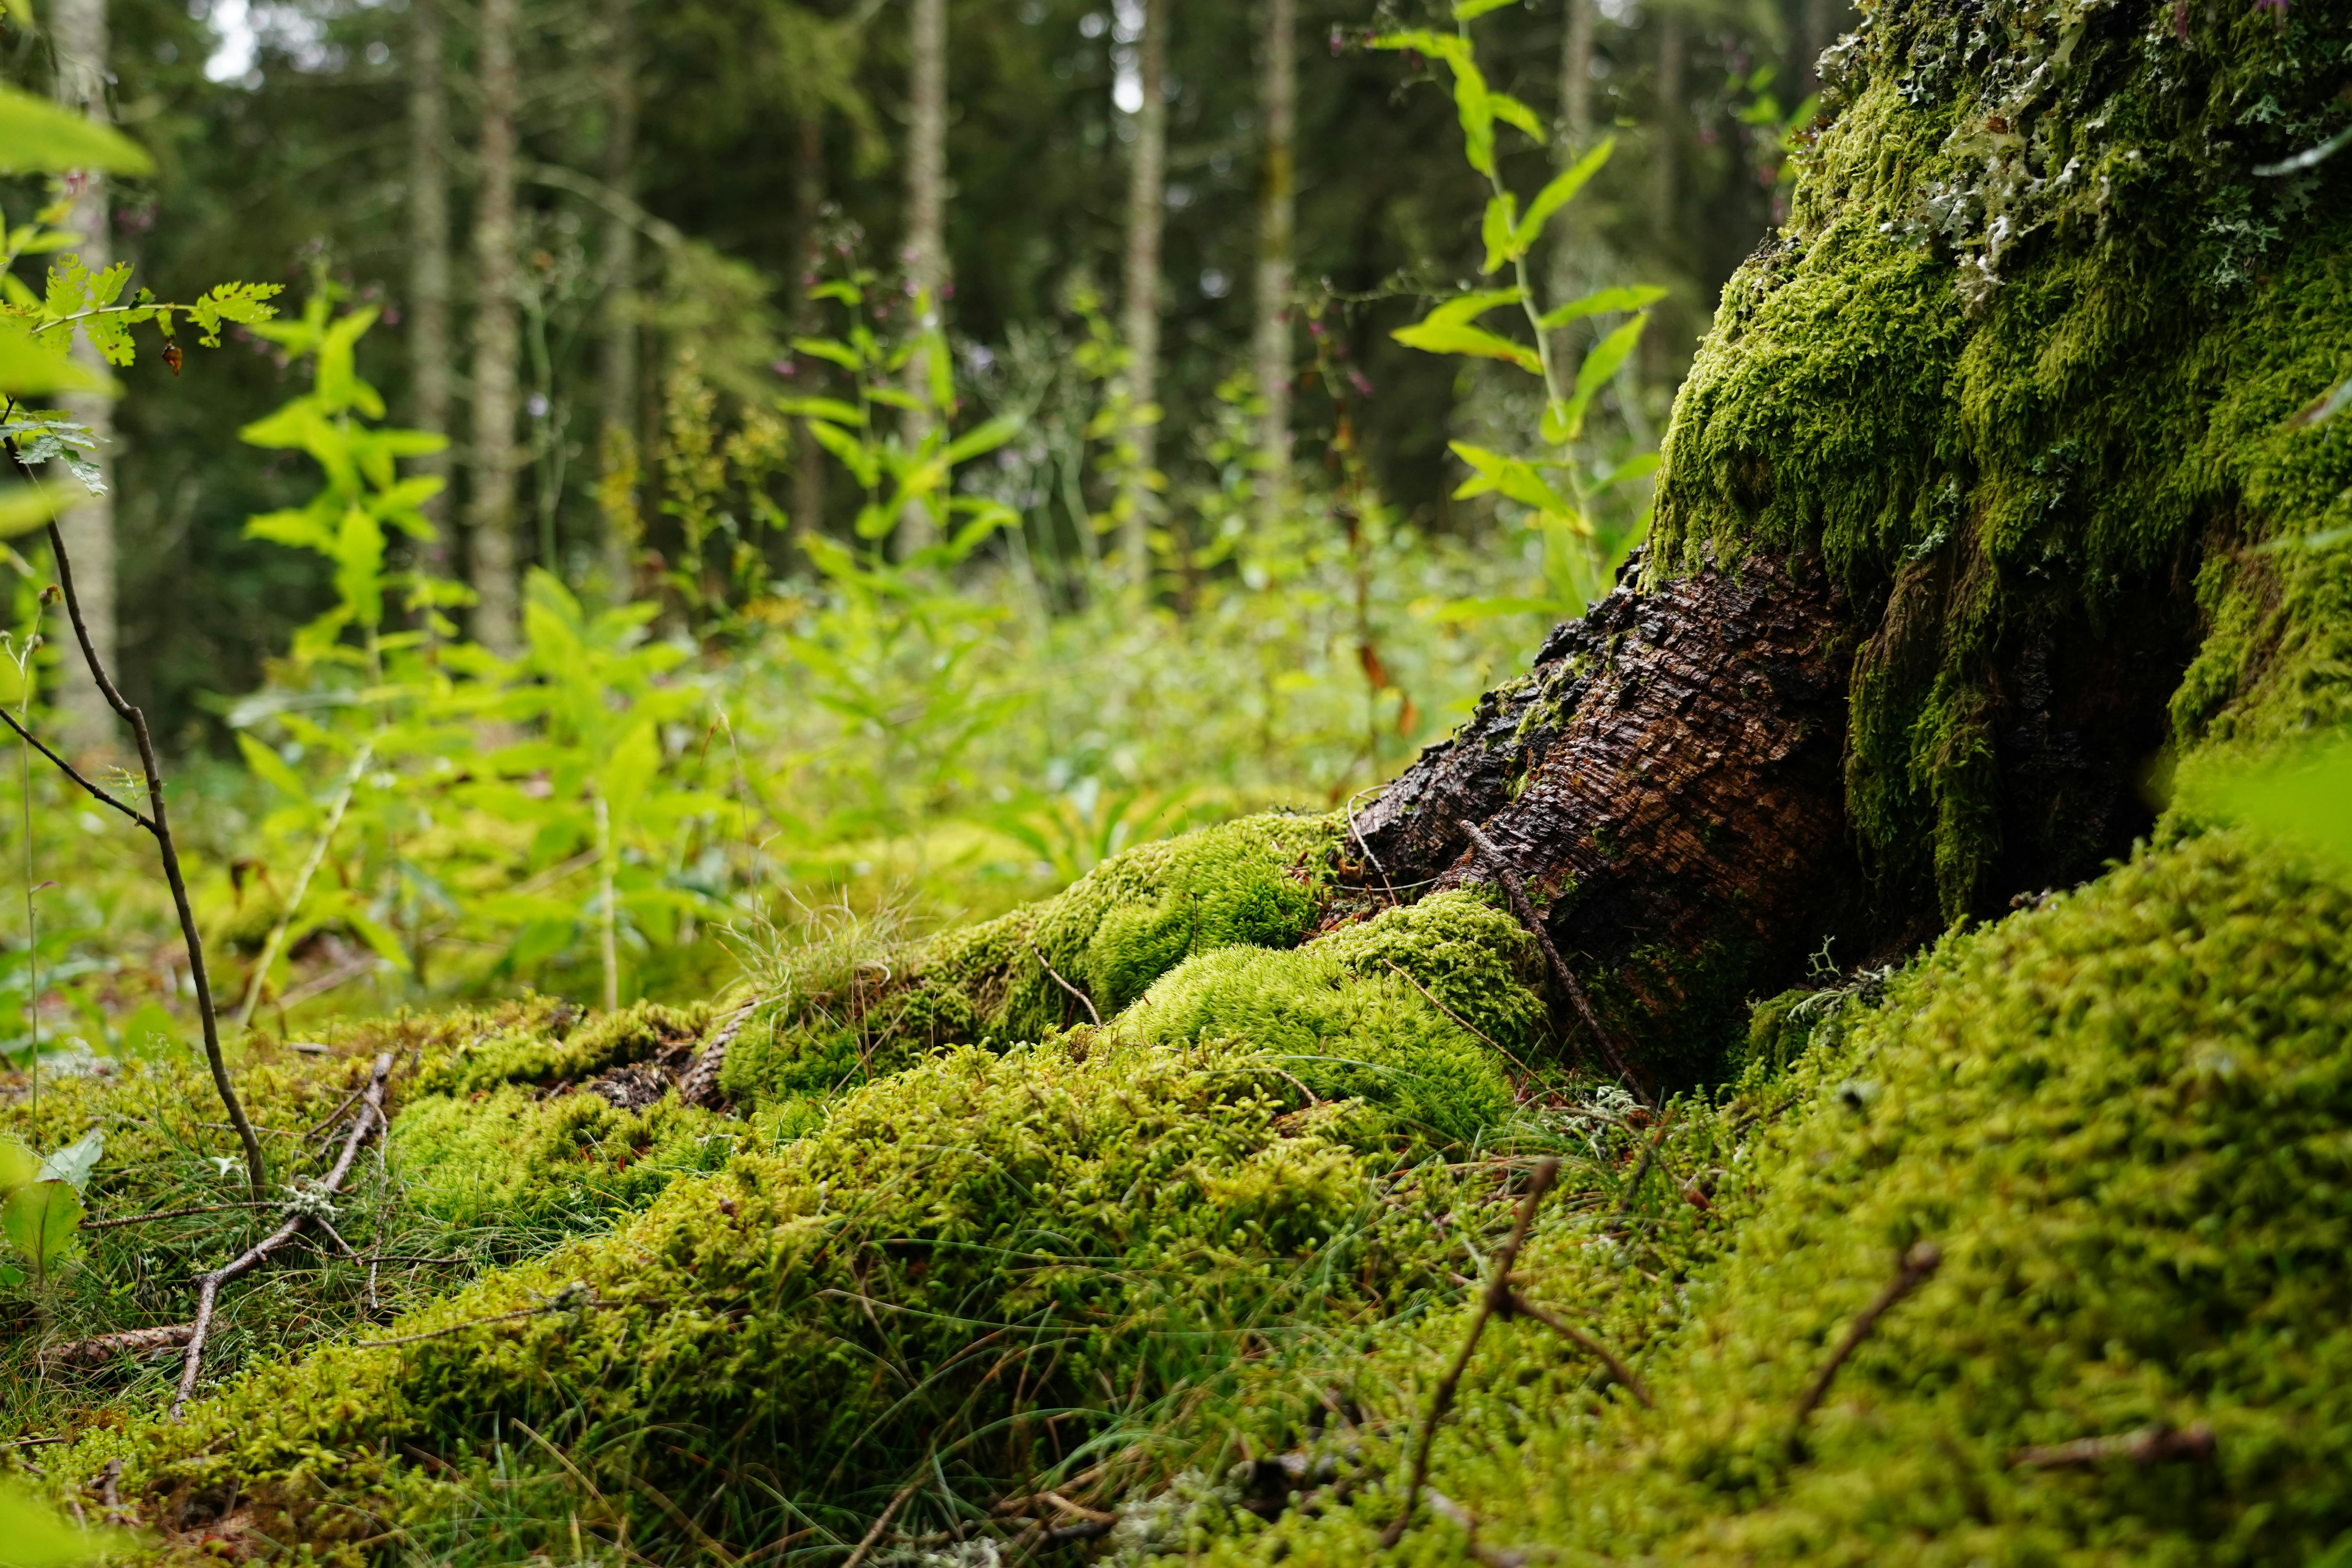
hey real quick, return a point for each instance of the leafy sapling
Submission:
(1559, 493)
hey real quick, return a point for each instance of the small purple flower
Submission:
(782, 367)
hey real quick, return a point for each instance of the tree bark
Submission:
(617, 349)
(1146, 212)
(79, 33)
(1669, 779)
(927, 158)
(1665, 133)
(1576, 79)
(491, 514)
(1277, 222)
(429, 260)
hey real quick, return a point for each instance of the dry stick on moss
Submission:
(1918, 1266)
(1084, 1000)
(100, 1350)
(2149, 1446)
(1642, 1171)
(1524, 907)
(209, 1286)
(1496, 1301)
(1458, 1020)
(1516, 1305)
(158, 823)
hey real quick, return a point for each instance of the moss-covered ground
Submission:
(1142, 1221)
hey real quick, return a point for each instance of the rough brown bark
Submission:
(1669, 779)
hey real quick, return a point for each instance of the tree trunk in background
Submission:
(1576, 81)
(492, 510)
(808, 203)
(1576, 257)
(927, 161)
(1277, 220)
(1146, 212)
(617, 352)
(78, 29)
(428, 259)
(1818, 32)
(1666, 190)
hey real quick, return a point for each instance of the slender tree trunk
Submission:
(1575, 258)
(1666, 132)
(491, 513)
(1277, 218)
(808, 201)
(79, 33)
(1576, 79)
(428, 257)
(1146, 212)
(617, 352)
(927, 160)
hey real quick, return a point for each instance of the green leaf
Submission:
(18, 1165)
(1464, 308)
(1512, 112)
(832, 408)
(39, 138)
(980, 438)
(861, 463)
(1604, 301)
(1598, 366)
(271, 767)
(29, 367)
(1436, 46)
(1471, 10)
(22, 509)
(73, 1163)
(1561, 191)
(33, 1535)
(826, 349)
(40, 1221)
(1502, 209)
(1474, 106)
(1476, 341)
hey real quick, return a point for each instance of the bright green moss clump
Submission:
(1256, 882)
(2124, 1119)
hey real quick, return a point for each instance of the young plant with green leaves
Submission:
(1559, 493)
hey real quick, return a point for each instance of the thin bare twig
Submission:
(100, 795)
(882, 1520)
(1918, 1265)
(1458, 1020)
(1642, 1171)
(540, 1311)
(1519, 1306)
(1524, 907)
(1445, 1508)
(158, 823)
(209, 1286)
(1084, 1000)
(284, 922)
(2149, 1446)
(1497, 1295)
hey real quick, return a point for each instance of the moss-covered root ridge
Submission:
(2125, 1119)
(862, 1010)
(988, 1266)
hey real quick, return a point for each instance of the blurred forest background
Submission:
(683, 287)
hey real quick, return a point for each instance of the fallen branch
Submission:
(1496, 1301)
(1917, 1267)
(1084, 1000)
(209, 1286)
(2149, 1446)
(699, 1086)
(1642, 1171)
(1519, 1306)
(1524, 907)
(102, 1348)
(563, 1301)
